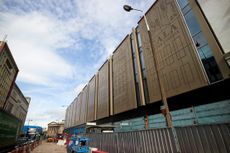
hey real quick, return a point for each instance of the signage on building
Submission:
(217, 13)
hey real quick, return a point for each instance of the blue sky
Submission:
(59, 45)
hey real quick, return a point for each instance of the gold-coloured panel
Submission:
(91, 101)
(179, 67)
(103, 92)
(78, 113)
(84, 105)
(8, 72)
(123, 78)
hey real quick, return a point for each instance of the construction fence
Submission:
(27, 148)
(191, 139)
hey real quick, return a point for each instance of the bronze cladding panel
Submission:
(84, 105)
(91, 102)
(77, 117)
(151, 76)
(103, 92)
(71, 114)
(123, 78)
(69, 117)
(176, 56)
(66, 117)
(75, 111)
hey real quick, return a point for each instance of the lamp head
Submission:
(127, 8)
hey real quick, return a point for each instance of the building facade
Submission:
(17, 104)
(13, 104)
(55, 128)
(8, 72)
(190, 60)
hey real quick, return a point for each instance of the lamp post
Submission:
(164, 108)
(29, 120)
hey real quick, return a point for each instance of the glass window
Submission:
(192, 23)
(212, 69)
(136, 77)
(142, 61)
(138, 95)
(135, 65)
(143, 69)
(140, 49)
(182, 3)
(206, 50)
(201, 43)
(186, 9)
(200, 40)
(144, 73)
(135, 70)
(146, 92)
(139, 39)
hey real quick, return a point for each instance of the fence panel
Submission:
(205, 138)
(144, 141)
(192, 139)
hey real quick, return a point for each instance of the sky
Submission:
(59, 45)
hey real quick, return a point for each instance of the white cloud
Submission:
(79, 88)
(41, 113)
(33, 40)
(40, 33)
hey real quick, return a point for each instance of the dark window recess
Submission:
(145, 84)
(143, 69)
(135, 70)
(201, 43)
(8, 64)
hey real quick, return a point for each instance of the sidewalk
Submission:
(49, 148)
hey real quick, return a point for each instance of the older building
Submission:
(182, 57)
(8, 72)
(13, 104)
(17, 104)
(55, 128)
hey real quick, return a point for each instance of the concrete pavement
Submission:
(50, 147)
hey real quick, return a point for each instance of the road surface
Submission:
(46, 147)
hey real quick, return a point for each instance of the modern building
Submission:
(183, 57)
(8, 72)
(55, 128)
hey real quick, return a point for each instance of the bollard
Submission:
(20, 150)
(33, 146)
(24, 148)
(16, 150)
(29, 147)
(13, 151)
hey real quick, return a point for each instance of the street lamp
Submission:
(29, 120)
(164, 108)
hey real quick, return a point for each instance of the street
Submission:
(46, 147)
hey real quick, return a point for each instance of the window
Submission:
(135, 70)
(143, 68)
(204, 51)
(192, 23)
(182, 3)
(9, 107)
